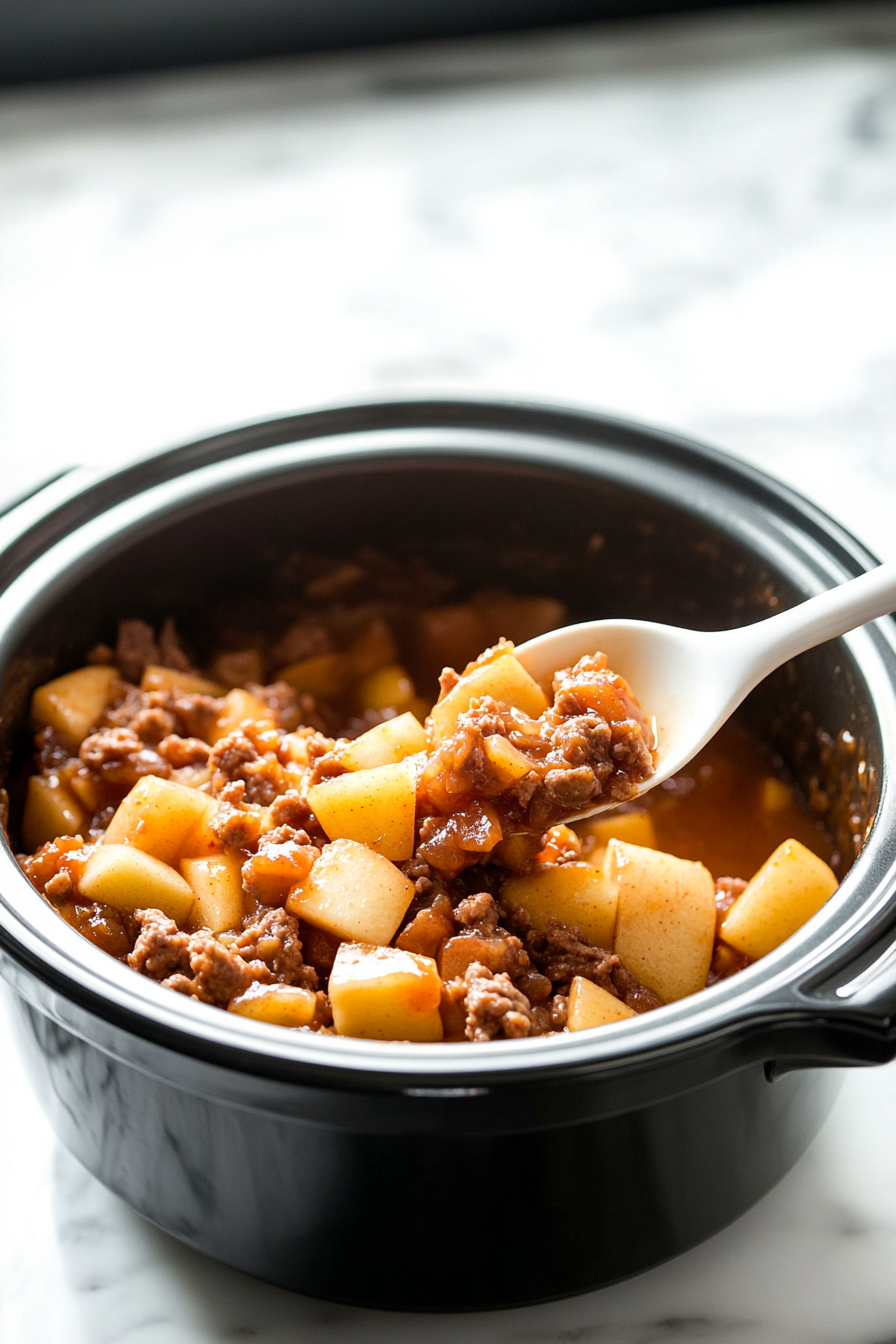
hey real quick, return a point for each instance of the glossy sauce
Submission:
(731, 807)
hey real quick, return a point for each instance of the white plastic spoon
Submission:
(688, 682)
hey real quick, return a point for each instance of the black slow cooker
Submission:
(462, 1176)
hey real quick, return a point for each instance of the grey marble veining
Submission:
(689, 222)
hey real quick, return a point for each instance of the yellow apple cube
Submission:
(51, 810)
(635, 828)
(386, 744)
(574, 893)
(774, 795)
(217, 887)
(790, 887)
(74, 703)
(162, 818)
(279, 1005)
(157, 678)
(591, 1006)
(374, 807)
(129, 879)
(326, 675)
(385, 994)
(507, 761)
(665, 919)
(354, 893)
(504, 679)
(239, 705)
(389, 687)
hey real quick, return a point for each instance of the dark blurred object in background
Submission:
(60, 39)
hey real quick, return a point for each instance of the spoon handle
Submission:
(849, 605)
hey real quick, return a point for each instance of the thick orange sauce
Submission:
(730, 808)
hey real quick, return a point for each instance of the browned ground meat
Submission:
(492, 1004)
(591, 745)
(217, 975)
(288, 708)
(181, 751)
(479, 912)
(136, 648)
(216, 970)
(161, 948)
(235, 825)
(153, 723)
(238, 757)
(561, 952)
(727, 891)
(120, 757)
(725, 961)
(171, 653)
(272, 936)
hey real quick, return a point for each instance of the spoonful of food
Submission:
(688, 682)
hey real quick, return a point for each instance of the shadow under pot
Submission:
(373, 1172)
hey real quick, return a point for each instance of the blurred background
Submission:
(687, 219)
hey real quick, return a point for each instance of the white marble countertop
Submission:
(691, 222)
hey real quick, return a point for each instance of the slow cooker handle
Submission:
(852, 1022)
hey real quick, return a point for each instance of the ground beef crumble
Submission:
(561, 952)
(272, 936)
(492, 1005)
(217, 970)
(591, 745)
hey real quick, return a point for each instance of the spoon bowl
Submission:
(688, 682)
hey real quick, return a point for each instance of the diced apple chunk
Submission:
(665, 920)
(51, 810)
(774, 795)
(635, 828)
(374, 807)
(239, 705)
(574, 893)
(591, 1006)
(353, 893)
(507, 761)
(217, 888)
(279, 1005)
(162, 818)
(790, 887)
(73, 704)
(516, 852)
(157, 678)
(504, 679)
(129, 879)
(386, 744)
(326, 675)
(389, 687)
(385, 994)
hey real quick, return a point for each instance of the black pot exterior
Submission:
(441, 1218)
(456, 1177)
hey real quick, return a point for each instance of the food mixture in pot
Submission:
(294, 835)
